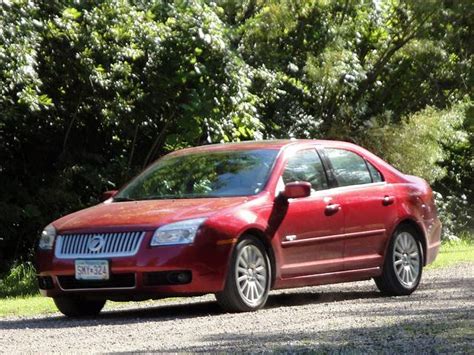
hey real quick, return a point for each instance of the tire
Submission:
(403, 264)
(248, 279)
(77, 307)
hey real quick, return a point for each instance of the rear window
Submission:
(349, 168)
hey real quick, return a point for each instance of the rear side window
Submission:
(306, 166)
(349, 168)
(376, 175)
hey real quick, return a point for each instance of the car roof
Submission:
(276, 144)
(294, 144)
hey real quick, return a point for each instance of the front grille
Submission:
(115, 281)
(97, 245)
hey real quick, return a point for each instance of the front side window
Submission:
(201, 175)
(306, 166)
(349, 168)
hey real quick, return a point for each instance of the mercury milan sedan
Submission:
(239, 220)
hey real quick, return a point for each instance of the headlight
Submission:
(47, 238)
(176, 233)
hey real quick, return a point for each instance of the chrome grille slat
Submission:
(135, 244)
(75, 242)
(85, 239)
(114, 245)
(108, 243)
(74, 246)
(129, 242)
(68, 245)
(120, 241)
(78, 242)
(64, 247)
(127, 237)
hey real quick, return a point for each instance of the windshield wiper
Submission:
(123, 199)
(183, 197)
(163, 197)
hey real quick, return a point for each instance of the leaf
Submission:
(71, 13)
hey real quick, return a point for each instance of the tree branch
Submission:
(386, 56)
(157, 141)
(68, 133)
(130, 159)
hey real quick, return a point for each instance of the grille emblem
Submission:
(96, 243)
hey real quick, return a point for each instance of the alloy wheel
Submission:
(406, 259)
(251, 274)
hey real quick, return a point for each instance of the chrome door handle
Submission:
(388, 200)
(332, 208)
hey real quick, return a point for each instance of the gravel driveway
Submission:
(437, 318)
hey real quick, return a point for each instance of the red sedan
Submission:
(238, 220)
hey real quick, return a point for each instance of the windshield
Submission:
(201, 175)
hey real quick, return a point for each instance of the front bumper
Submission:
(154, 272)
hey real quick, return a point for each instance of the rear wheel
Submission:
(248, 279)
(403, 264)
(77, 307)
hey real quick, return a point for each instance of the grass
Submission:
(26, 306)
(453, 253)
(38, 305)
(17, 297)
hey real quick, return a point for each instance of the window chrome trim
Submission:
(355, 187)
(343, 188)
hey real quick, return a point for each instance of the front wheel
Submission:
(248, 279)
(77, 307)
(403, 264)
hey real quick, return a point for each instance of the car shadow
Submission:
(286, 298)
(191, 310)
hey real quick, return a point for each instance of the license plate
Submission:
(92, 269)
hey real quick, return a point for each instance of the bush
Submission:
(454, 213)
(417, 145)
(19, 281)
(436, 145)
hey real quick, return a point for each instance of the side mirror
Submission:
(108, 194)
(297, 189)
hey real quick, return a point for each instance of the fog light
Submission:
(163, 278)
(45, 282)
(183, 277)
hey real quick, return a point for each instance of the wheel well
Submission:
(419, 235)
(268, 248)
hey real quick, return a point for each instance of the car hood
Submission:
(142, 214)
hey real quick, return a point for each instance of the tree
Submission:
(91, 92)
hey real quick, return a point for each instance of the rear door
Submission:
(311, 231)
(368, 205)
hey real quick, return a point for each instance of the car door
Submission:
(368, 205)
(311, 230)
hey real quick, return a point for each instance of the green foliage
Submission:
(415, 145)
(455, 212)
(20, 281)
(454, 252)
(91, 92)
(438, 146)
(334, 65)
